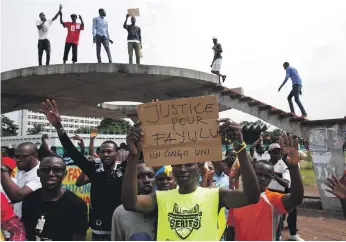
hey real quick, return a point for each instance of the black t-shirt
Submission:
(134, 32)
(63, 218)
(105, 191)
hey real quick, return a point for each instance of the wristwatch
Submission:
(4, 168)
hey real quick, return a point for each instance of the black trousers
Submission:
(74, 51)
(43, 45)
(296, 91)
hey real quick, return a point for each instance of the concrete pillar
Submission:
(326, 146)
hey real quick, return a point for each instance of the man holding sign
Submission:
(134, 38)
(189, 212)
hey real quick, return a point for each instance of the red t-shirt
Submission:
(6, 209)
(73, 32)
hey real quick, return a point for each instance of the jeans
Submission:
(140, 237)
(43, 45)
(101, 237)
(133, 46)
(296, 91)
(67, 50)
(105, 42)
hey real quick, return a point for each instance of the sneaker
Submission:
(296, 237)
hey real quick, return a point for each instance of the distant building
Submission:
(26, 119)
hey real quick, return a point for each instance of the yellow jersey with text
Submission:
(190, 216)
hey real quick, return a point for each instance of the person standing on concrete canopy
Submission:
(296, 88)
(101, 35)
(72, 38)
(43, 26)
(106, 183)
(134, 39)
(175, 207)
(217, 60)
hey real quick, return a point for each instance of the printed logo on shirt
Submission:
(184, 221)
(73, 28)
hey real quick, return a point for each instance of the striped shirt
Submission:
(258, 221)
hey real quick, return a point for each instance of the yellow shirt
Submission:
(2, 237)
(190, 216)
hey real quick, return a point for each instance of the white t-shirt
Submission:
(281, 168)
(258, 157)
(29, 179)
(43, 32)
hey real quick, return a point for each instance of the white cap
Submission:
(274, 146)
(214, 37)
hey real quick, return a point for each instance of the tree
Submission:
(114, 126)
(37, 129)
(8, 127)
(275, 134)
(83, 130)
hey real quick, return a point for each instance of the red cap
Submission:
(9, 162)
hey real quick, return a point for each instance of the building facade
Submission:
(26, 119)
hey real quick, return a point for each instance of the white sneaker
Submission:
(295, 237)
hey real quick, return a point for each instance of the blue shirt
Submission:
(293, 74)
(221, 181)
(100, 27)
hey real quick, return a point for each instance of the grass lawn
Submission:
(308, 176)
(307, 172)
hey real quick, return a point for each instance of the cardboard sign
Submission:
(133, 12)
(180, 131)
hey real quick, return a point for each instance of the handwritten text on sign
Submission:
(180, 131)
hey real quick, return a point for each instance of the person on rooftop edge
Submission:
(106, 183)
(296, 91)
(175, 207)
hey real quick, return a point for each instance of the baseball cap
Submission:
(9, 162)
(274, 146)
(214, 37)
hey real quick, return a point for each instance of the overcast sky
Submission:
(257, 37)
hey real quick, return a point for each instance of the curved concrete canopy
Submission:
(79, 88)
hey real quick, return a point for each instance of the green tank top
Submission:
(191, 216)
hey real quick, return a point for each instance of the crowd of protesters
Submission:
(241, 197)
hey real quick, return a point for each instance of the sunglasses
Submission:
(56, 170)
(23, 156)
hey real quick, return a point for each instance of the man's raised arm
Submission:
(129, 194)
(251, 191)
(291, 159)
(50, 109)
(58, 13)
